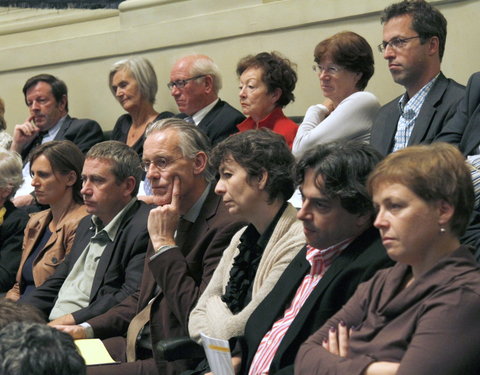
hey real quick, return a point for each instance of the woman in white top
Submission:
(344, 64)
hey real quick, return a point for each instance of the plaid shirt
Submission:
(320, 261)
(409, 110)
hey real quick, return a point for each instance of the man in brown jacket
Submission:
(188, 230)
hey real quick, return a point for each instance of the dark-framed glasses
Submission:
(395, 43)
(180, 83)
(330, 69)
(159, 163)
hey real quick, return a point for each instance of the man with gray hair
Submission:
(195, 81)
(189, 230)
(106, 261)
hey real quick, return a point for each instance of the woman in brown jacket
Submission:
(55, 168)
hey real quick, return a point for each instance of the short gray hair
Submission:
(142, 71)
(204, 65)
(125, 161)
(191, 140)
(10, 170)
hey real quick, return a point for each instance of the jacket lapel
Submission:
(66, 124)
(428, 110)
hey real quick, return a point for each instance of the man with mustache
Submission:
(46, 97)
(189, 230)
(414, 35)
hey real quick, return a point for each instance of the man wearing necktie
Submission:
(46, 97)
(189, 230)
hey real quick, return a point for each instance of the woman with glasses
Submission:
(344, 65)
(421, 315)
(133, 82)
(267, 81)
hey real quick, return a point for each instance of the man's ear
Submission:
(433, 45)
(200, 163)
(208, 80)
(63, 102)
(130, 184)
(262, 180)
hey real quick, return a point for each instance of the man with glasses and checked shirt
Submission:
(414, 35)
(195, 81)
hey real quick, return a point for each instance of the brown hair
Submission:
(434, 172)
(350, 51)
(64, 156)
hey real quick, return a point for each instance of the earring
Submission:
(442, 230)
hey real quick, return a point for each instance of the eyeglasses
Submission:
(331, 69)
(180, 83)
(159, 163)
(395, 43)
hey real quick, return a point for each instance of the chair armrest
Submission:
(178, 348)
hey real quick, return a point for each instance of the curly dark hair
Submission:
(259, 151)
(427, 21)
(350, 51)
(278, 73)
(344, 167)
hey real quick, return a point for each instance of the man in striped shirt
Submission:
(342, 250)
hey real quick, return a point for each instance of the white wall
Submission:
(79, 46)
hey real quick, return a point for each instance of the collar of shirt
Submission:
(199, 116)
(52, 132)
(410, 108)
(194, 211)
(111, 228)
(267, 122)
(321, 259)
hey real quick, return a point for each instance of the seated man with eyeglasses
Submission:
(189, 230)
(414, 35)
(195, 81)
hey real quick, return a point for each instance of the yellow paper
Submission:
(94, 352)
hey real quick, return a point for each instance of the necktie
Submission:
(189, 119)
(36, 141)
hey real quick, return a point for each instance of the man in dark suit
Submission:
(47, 101)
(189, 231)
(343, 249)
(414, 35)
(195, 81)
(463, 129)
(106, 261)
